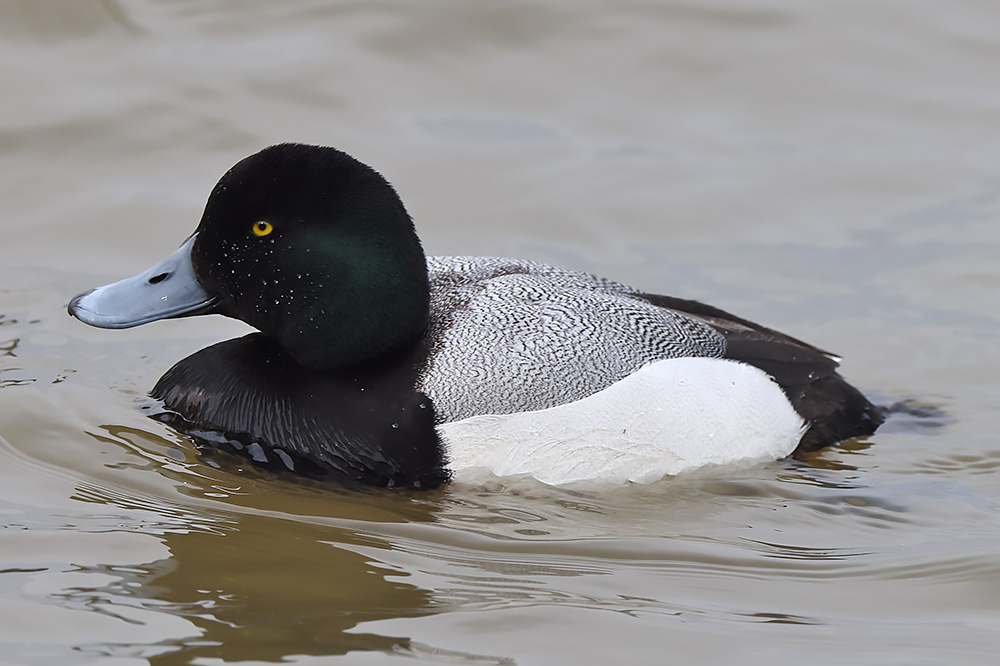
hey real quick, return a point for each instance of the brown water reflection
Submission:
(257, 588)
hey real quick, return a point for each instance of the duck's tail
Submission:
(836, 411)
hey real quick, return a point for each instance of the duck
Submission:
(379, 365)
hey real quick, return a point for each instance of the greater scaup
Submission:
(390, 368)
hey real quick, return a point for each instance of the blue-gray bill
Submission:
(168, 289)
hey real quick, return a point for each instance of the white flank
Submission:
(671, 416)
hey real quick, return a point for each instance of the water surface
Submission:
(828, 170)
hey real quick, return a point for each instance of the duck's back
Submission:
(509, 336)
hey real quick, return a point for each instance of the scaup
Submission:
(387, 367)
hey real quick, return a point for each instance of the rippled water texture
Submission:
(829, 169)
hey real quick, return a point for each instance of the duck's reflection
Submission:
(271, 570)
(269, 589)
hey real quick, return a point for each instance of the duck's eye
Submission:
(261, 228)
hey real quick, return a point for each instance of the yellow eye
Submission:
(261, 228)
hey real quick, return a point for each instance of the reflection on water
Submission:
(256, 587)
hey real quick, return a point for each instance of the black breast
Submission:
(365, 424)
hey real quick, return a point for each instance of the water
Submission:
(828, 170)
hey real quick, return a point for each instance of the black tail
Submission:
(835, 411)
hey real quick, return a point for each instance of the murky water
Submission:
(831, 170)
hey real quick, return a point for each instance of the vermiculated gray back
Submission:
(509, 336)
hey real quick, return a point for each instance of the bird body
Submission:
(386, 367)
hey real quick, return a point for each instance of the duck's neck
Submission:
(360, 302)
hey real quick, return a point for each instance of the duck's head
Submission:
(306, 244)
